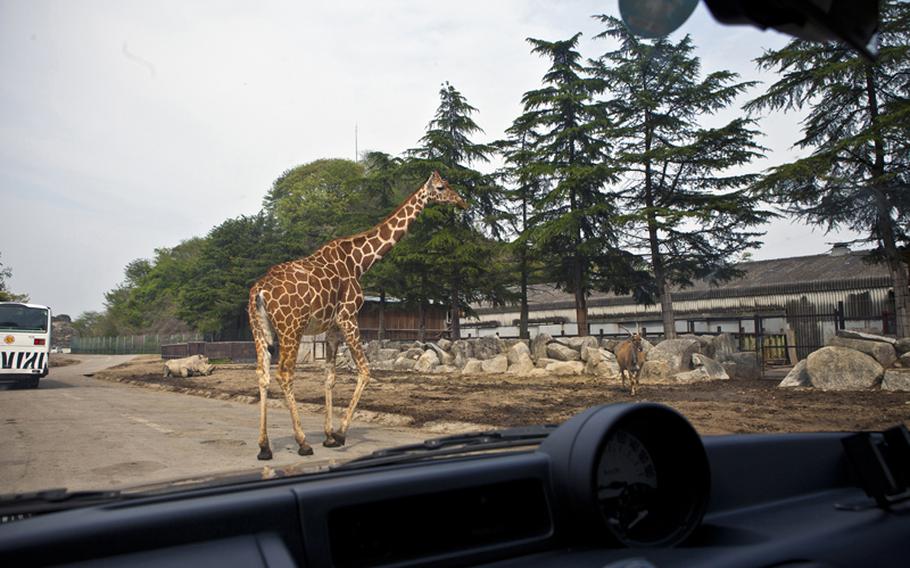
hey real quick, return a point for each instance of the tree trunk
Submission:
(523, 332)
(454, 301)
(581, 312)
(380, 333)
(884, 223)
(663, 289)
(422, 321)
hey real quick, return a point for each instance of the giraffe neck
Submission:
(381, 238)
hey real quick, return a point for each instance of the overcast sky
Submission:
(128, 126)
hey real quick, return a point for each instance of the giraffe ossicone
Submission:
(321, 293)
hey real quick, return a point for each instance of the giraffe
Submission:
(322, 293)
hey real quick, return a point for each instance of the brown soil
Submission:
(57, 360)
(720, 407)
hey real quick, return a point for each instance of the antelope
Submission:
(630, 356)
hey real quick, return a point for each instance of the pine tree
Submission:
(858, 132)
(458, 253)
(572, 223)
(682, 208)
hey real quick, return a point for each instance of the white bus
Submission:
(25, 342)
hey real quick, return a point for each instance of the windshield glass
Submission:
(22, 318)
(282, 236)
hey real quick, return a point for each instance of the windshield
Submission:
(283, 236)
(22, 318)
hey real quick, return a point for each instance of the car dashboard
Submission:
(620, 485)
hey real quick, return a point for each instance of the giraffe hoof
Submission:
(334, 440)
(264, 454)
(305, 450)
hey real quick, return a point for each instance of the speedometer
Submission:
(630, 474)
(626, 482)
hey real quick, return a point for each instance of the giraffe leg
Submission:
(263, 361)
(287, 360)
(352, 337)
(332, 339)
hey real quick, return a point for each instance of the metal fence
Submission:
(130, 344)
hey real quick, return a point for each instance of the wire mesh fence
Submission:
(130, 344)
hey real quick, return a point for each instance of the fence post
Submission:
(839, 318)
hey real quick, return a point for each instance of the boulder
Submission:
(655, 371)
(445, 369)
(539, 345)
(712, 368)
(853, 334)
(562, 352)
(747, 365)
(880, 351)
(498, 364)
(903, 360)
(462, 351)
(724, 344)
(413, 353)
(646, 345)
(385, 354)
(404, 363)
(609, 344)
(902, 345)
(486, 347)
(579, 343)
(797, 377)
(543, 362)
(676, 353)
(444, 344)
(698, 375)
(188, 366)
(523, 366)
(517, 352)
(839, 368)
(604, 369)
(566, 368)
(707, 346)
(427, 361)
(896, 380)
(730, 368)
(535, 373)
(472, 367)
(588, 353)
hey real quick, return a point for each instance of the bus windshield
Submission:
(17, 317)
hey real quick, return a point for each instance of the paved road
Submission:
(83, 433)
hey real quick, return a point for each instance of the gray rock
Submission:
(566, 368)
(562, 352)
(486, 347)
(609, 344)
(472, 367)
(444, 344)
(730, 368)
(655, 371)
(498, 364)
(413, 353)
(517, 352)
(539, 346)
(427, 361)
(579, 343)
(903, 360)
(385, 354)
(706, 343)
(852, 334)
(646, 346)
(387, 365)
(797, 377)
(896, 380)
(404, 363)
(445, 369)
(902, 345)
(607, 355)
(698, 375)
(882, 352)
(543, 362)
(606, 370)
(676, 353)
(839, 368)
(724, 344)
(589, 353)
(747, 365)
(522, 367)
(712, 368)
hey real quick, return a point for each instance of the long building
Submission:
(806, 296)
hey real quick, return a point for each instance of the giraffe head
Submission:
(438, 191)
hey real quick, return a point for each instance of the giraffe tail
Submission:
(264, 321)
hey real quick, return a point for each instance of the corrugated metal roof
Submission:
(814, 273)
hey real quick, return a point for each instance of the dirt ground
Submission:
(60, 360)
(719, 407)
